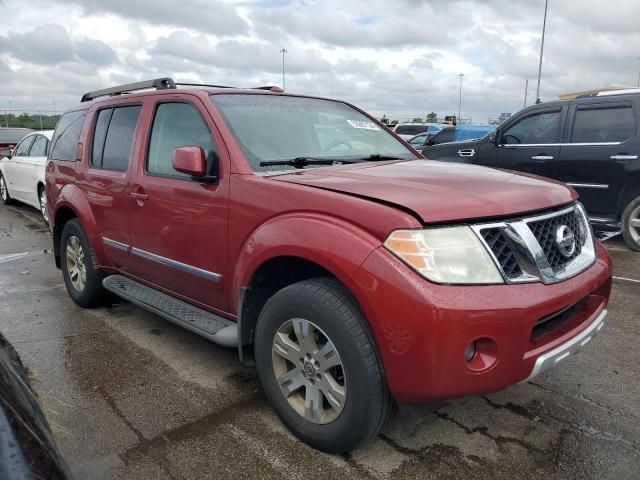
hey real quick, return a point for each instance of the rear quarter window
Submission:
(66, 137)
(603, 123)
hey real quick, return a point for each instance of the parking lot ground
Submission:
(131, 396)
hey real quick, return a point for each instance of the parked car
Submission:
(590, 143)
(22, 171)
(27, 447)
(407, 131)
(9, 137)
(351, 272)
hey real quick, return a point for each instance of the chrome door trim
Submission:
(579, 144)
(115, 244)
(602, 186)
(542, 157)
(178, 265)
(623, 157)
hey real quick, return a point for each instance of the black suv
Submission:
(591, 143)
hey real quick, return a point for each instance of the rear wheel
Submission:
(4, 191)
(42, 198)
(81, 275)
(631, 224)
(318, 364)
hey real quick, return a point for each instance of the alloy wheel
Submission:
(43, 205)
(634, 224)
(75, 263)
(309, 371)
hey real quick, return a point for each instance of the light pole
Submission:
(638, 75)
(460, 99)
(544, 27)
(526, 91)
(283, 51)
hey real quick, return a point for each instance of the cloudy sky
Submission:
(398, 57)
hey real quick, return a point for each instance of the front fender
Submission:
(330, 242)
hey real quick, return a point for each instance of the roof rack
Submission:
(158, 84)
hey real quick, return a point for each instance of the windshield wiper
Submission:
(377, 157)
(300, 162)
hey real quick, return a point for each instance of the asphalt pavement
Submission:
(131, 396)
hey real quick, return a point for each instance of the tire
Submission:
(43, 204)
(631, 224)
(357, 384)
(4, 191)
(81, 275)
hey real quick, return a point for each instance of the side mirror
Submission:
(191, 161)
(5, 152)
(494, 137)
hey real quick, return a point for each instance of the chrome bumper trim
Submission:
(570, 347)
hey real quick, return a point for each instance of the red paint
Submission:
(190, 160)
(337, 217)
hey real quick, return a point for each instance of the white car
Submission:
(22, 171)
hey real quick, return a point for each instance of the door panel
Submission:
(179, 225)
(599, 149)
(34, 170)
(19, 173)
(527, 144)
(107, 180)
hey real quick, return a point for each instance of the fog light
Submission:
(470, 352)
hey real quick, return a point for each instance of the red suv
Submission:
(351, 271)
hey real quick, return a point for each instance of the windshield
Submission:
(279, 128)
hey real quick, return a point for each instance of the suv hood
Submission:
(437, 191)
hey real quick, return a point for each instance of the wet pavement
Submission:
(131, 396)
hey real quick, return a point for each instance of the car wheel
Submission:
(631, 224)
(319, 367)
(4, 191)
(81, 275)
(42, 198)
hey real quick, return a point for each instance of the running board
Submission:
(209, 325)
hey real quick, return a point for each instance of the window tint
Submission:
(117, 145)
(444, 136)
(39, 147)
(66, 137)
(99, 135)
(608, 124)
(418, 140)
(22, 150)
(540, 127)
(176, 125)
(410, 129)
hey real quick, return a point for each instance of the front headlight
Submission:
(445, 255)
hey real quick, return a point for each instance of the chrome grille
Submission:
(500, 245)
(544, 231)
(526, 249)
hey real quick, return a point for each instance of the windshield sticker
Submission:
(361, 124)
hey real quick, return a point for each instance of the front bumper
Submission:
(423, 329)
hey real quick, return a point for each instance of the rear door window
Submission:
(603, 123)
(113, 137)
(537, 128)
(410, 129)
(176, 125)
(39, 147)
(66, 137)
(22, 150)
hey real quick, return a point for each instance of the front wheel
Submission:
(631, 224)
(318, 365)
(4, 191)
(82, 277)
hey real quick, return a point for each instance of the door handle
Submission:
(623, 157)
(139, 196)
(468, 152)
(542, 157)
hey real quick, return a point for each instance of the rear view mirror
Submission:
(5, 152)
(191, 161)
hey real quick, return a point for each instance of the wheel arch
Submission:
(629, 192)
(275, 257)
